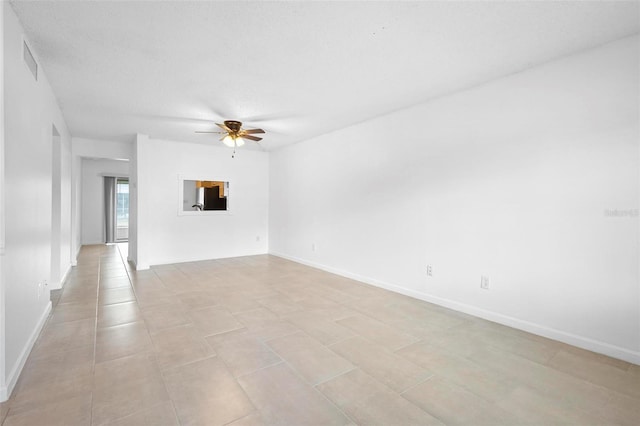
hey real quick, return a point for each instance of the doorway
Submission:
(122, 209)
(116, 209)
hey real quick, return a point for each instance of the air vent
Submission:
(30, 61)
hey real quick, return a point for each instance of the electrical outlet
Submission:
(313, 246)
(258, 238)
(429, 270)
(484, 282)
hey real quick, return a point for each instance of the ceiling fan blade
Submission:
(251, 138)
(252, 131)
(223, 127)
(208, 132)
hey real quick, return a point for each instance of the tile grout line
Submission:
(426, 379)
(342, 373)
(313, 386)
(164, 383)
(95, 338)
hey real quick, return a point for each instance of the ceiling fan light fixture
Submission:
(233, 141)
(228, 141)
(235, 134)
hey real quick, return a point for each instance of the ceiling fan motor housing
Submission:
(233, 125)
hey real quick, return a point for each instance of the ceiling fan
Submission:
(234, 134)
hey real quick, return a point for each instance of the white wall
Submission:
(3, 386)
(132, 252)
(61, 254)
(76, 207)
(67, 255)
(99, 148)
(56, 209)
(510, 180)
(93, 172)
(163, 236)
(30, 112)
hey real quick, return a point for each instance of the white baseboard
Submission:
(65, 276)
(54, 285)
(533, 328)
(74, 259)
(12, 377)
(137, 267)
(59, 284)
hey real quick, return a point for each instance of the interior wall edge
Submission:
(530, 327)
(12, 377)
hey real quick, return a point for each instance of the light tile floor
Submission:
(262, 340)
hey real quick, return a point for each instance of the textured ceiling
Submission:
(296, 69)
